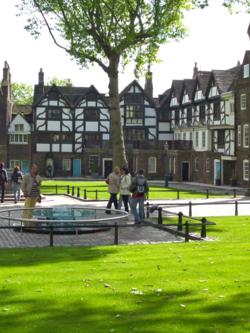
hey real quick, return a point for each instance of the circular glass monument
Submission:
(62, 219)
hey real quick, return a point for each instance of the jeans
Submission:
(112, 199)
(124, 198)
(17, 191)
(138, 214)
(2, 187)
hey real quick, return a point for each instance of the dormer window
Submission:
(198, 95)
(185, 98)
(173, 101)
(19, 128)
(213, 91)
(246, 71)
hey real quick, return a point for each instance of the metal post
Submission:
(67, 189)
(116, 234)
(159, 215)
(73, 190)
(147, 208)
(203, 227)
(56, 190)
(85, 194)
(96, 194)
(178, 194)
(51, 239)
(187, 231)
(234, 192)
(190, 208)
(179, 226)
(236, 208)
(207, 193)
(78, 192)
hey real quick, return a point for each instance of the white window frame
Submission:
(243, 101)
(246, 71)
(66, 164)
(19, 127)
(152, 164)
(14, 163)
(239, 135)
(246, 136)
(18, 139)
(246, 170)
(203, 141)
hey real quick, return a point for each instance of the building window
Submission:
(18, 138)
(14, 163)
(134, 134)
(134, 114)
(245, 170)
(93, 163)
(184, 136)
(189, 115)
(208, 165)
(191, 136)
(152, 164)
(56, 138)
(91, 114)
(217, 110)
(174, 164)
(202, 113)
(246, 71)
(196, 164)
(246, 136)
(66, 165)
(243, 101)
(239, 135)
(53, 114)
(221, 139)
(203, 139)
(197, 139)
(19, 128)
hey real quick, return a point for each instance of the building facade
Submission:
(197, 130)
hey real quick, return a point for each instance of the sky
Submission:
(216, 40)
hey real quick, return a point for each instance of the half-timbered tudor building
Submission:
(203, 121)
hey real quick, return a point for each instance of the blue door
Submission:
(76, 168)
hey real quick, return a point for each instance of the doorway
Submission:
(107, 166)
(185, 171)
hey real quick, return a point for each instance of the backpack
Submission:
(141, 185)
(17, 177)
(2, 176)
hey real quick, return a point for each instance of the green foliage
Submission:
(59, 82)
(21, 93)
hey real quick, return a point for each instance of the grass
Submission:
(91, 187)
(196, 287)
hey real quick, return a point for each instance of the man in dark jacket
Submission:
(3, 180)
(139, 189)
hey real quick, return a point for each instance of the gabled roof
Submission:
(189, 86)
(246, 58)
(24, 110)
(177, 86)
(92, 90)
(225, 79)
(70, 94)
(203, 78)
(136, 83)
(165, 97)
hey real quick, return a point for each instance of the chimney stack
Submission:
(41, 77)
(6, 75)
(195, 71)
(149, 83)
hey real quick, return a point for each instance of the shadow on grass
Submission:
(29, 257)
(114, 311)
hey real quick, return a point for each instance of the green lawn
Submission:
(156, 192)
(196, 287)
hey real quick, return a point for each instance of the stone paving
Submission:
(127, 235)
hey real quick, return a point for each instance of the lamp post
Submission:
(166, 178)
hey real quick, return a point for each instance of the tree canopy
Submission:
(21, 93)
(111, 32)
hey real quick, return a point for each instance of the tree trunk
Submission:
(117, 138)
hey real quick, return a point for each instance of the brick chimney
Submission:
(149, 83)
(41, 77)
(195, 71)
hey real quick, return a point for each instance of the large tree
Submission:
(21, 93)
(108, 33)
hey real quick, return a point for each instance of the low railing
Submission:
(196, 222)
(91, 193)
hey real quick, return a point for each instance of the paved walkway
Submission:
(127, 235)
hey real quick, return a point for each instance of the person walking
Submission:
(113, 180)
(16, 179)
(3, 180)
(31, 190)
(124, 188)
(139, 188)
